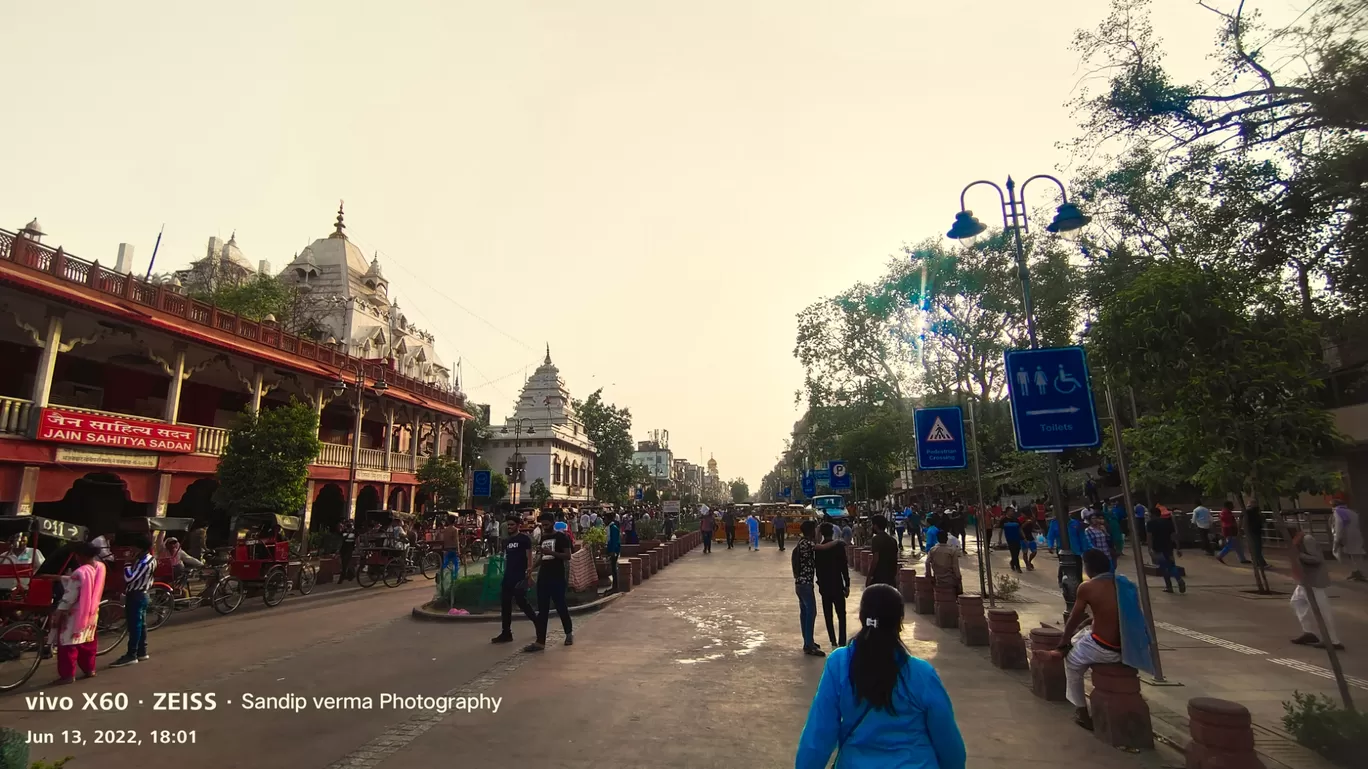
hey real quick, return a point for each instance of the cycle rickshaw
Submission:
(26, 613)
(262, 562)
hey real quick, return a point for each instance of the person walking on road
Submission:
(753, 530)
(877, 705)
(551, 582)
(900, 524)
(883, 569)
(1348, 540)
(1163, 540)
(137, 581)
(1230, 532)
(1011, 532)
(516, 578)
(780, 524)
(613, 548)
(76, 617)
(348, 532)
(707, 522)
(1201, 520)
(729, 526)
(1098, 538)
(804, 562)
(833, 582)
(1308, 567)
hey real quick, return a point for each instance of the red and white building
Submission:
(116, 392)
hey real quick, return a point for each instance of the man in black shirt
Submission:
(833, 582)
(1164, 544)
(883, 570)
(553, 555)
(729, 526)
(517, 576)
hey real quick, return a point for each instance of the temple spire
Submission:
(340, 225)
(547, 362)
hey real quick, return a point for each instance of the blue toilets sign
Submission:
(1052, 399)
(940, 438)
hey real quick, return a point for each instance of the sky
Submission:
(654, 189)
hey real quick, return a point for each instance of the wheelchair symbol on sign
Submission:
(1064, 383)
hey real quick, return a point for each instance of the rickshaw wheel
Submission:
(275, 588)
(365, 575)
(111, 627)
(308, 577)
(228, 595)
(160, 604)
(21, 645)
(394, 572)
(431, 564)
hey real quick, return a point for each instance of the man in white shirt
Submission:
(586, 522)
(1201, 520)
(19, 554)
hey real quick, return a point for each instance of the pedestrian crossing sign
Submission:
(939, 433)
(940, 438)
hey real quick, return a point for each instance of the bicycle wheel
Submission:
(276, 587)
(431, 564)
(160, 604)
(21, 646)
(308, 577)
(366, 575)
(111, 627)
(394, 572)
(227, 596)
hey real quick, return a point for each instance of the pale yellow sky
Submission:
(654, 188)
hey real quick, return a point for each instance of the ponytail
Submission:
(877, 654)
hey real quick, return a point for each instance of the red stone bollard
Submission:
(634, 564)
(850, 557)
(907, 583)
(945, 604)
(1005, 645)
(1047, 664)
(866, 560)
(1120, 716)
(624, 580)
(1222, 735)
(926, 595)
(973, 626)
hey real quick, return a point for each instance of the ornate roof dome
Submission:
(231, 253)
(374, 270)
(336, 249)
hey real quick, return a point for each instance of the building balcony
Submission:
(16, 415)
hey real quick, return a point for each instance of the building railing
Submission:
(14, 416)
(57, 263)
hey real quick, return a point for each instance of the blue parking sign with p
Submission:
(481, 484)
(840, 476)
(809, 484)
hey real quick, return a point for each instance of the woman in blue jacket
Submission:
(877, 705)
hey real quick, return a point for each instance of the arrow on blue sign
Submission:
(940, 438)
(1052, 399)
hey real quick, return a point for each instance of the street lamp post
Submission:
(516, 470)
(359, 387)
(1067, 218)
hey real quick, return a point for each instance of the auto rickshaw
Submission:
(26, 611)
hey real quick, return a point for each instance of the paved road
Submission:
(699, 667)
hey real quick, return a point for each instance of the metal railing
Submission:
(334, 455)
(371, 459)
(210, 440)
(31, 255)
(14, 416)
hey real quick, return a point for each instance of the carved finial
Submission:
(340, 225)
(548, 354)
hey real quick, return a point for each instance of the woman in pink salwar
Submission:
(77, 616)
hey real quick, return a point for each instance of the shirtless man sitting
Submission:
(1098, 645)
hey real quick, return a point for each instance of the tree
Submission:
(441, 479)
(498, 487)
(538, 493)
(610, 428)
(740, 492)
(1233, 378)
(650, 496)
(255, 296)
(265, 464)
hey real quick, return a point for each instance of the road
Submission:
(698, 667)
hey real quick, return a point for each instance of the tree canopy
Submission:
(265, 463)
(610, 428)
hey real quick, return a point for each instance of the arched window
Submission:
(556, 471)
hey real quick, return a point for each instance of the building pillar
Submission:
(389, 437)
(258, 383)
(28, 489)
(47, 363)
(173, 390)
(308, 507)
(163, 494)
(355, 460)
(384, 496)
(417, 430)
(460, 443)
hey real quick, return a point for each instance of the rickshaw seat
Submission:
(41, 590)
(16, 571)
